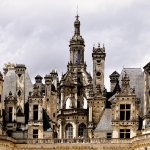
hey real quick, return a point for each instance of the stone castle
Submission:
(75, 112)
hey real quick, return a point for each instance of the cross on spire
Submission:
(77, 14)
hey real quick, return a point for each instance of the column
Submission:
(40, 113)
(90, 113)
(75, 96)
(62, 98)
(60, 131)
(14, 113)
(75, 130)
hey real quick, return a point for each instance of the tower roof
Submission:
(77, 38)
(115, 74)
(147, 66)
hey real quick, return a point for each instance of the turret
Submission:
(38, 82)
(1, 89)
(113, 80)
(98, 66)
(35, 122)
(77, 45)
(146, 117)
(20, 86)
(54, 76)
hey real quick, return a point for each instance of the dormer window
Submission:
(78, 57)
(125, 110)
(35, 112)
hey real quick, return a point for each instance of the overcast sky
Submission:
(37, 33)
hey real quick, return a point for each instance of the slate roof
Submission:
(105, 122)
(10, 84)
(136, 77)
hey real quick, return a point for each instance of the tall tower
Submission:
(74, 84)
(113, 80)
(54, 76)
(146, 117)
(20, 88)
(77, 45)
(35, 122)
(1, 89)
(98, 67)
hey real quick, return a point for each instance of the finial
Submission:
(93, 45)
(98, 45)
(77, 17)
(103, 45)
(77, 10)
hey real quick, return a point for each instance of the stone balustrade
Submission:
(78, 140)
(136, 143)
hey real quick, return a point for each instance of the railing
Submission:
(73, 141)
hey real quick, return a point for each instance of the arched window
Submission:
(74, 57)
(98, 74)
(67, 104)
(69, 131)
(78, 57)
(82, 130)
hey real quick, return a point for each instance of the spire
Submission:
(77, 25)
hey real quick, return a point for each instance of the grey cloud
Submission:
(37, 33)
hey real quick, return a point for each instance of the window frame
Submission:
(35, 135)
(109, 135)
(125, 112)
(69, 131)
(125, 133)
(82, 130)
(10, 114)
(35, 112)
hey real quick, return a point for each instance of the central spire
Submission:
(77, 26)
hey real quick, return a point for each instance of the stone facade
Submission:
(75, 112)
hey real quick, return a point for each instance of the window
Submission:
(78, 104)
(35, 112)
(78, 79)
(79, 91)
(54, 115)
(74, 57)
(9, 134)
(0, 98)
(124, 133)
(10, 114)
(19, 93)
(109, 135)
(125, 111)
(98, 74)
(35, 134)
(19, 75)
(98, 61)
(78, 57)
(82, 130)
(69, 131)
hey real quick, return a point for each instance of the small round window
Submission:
(98, 74)
(98, 61)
